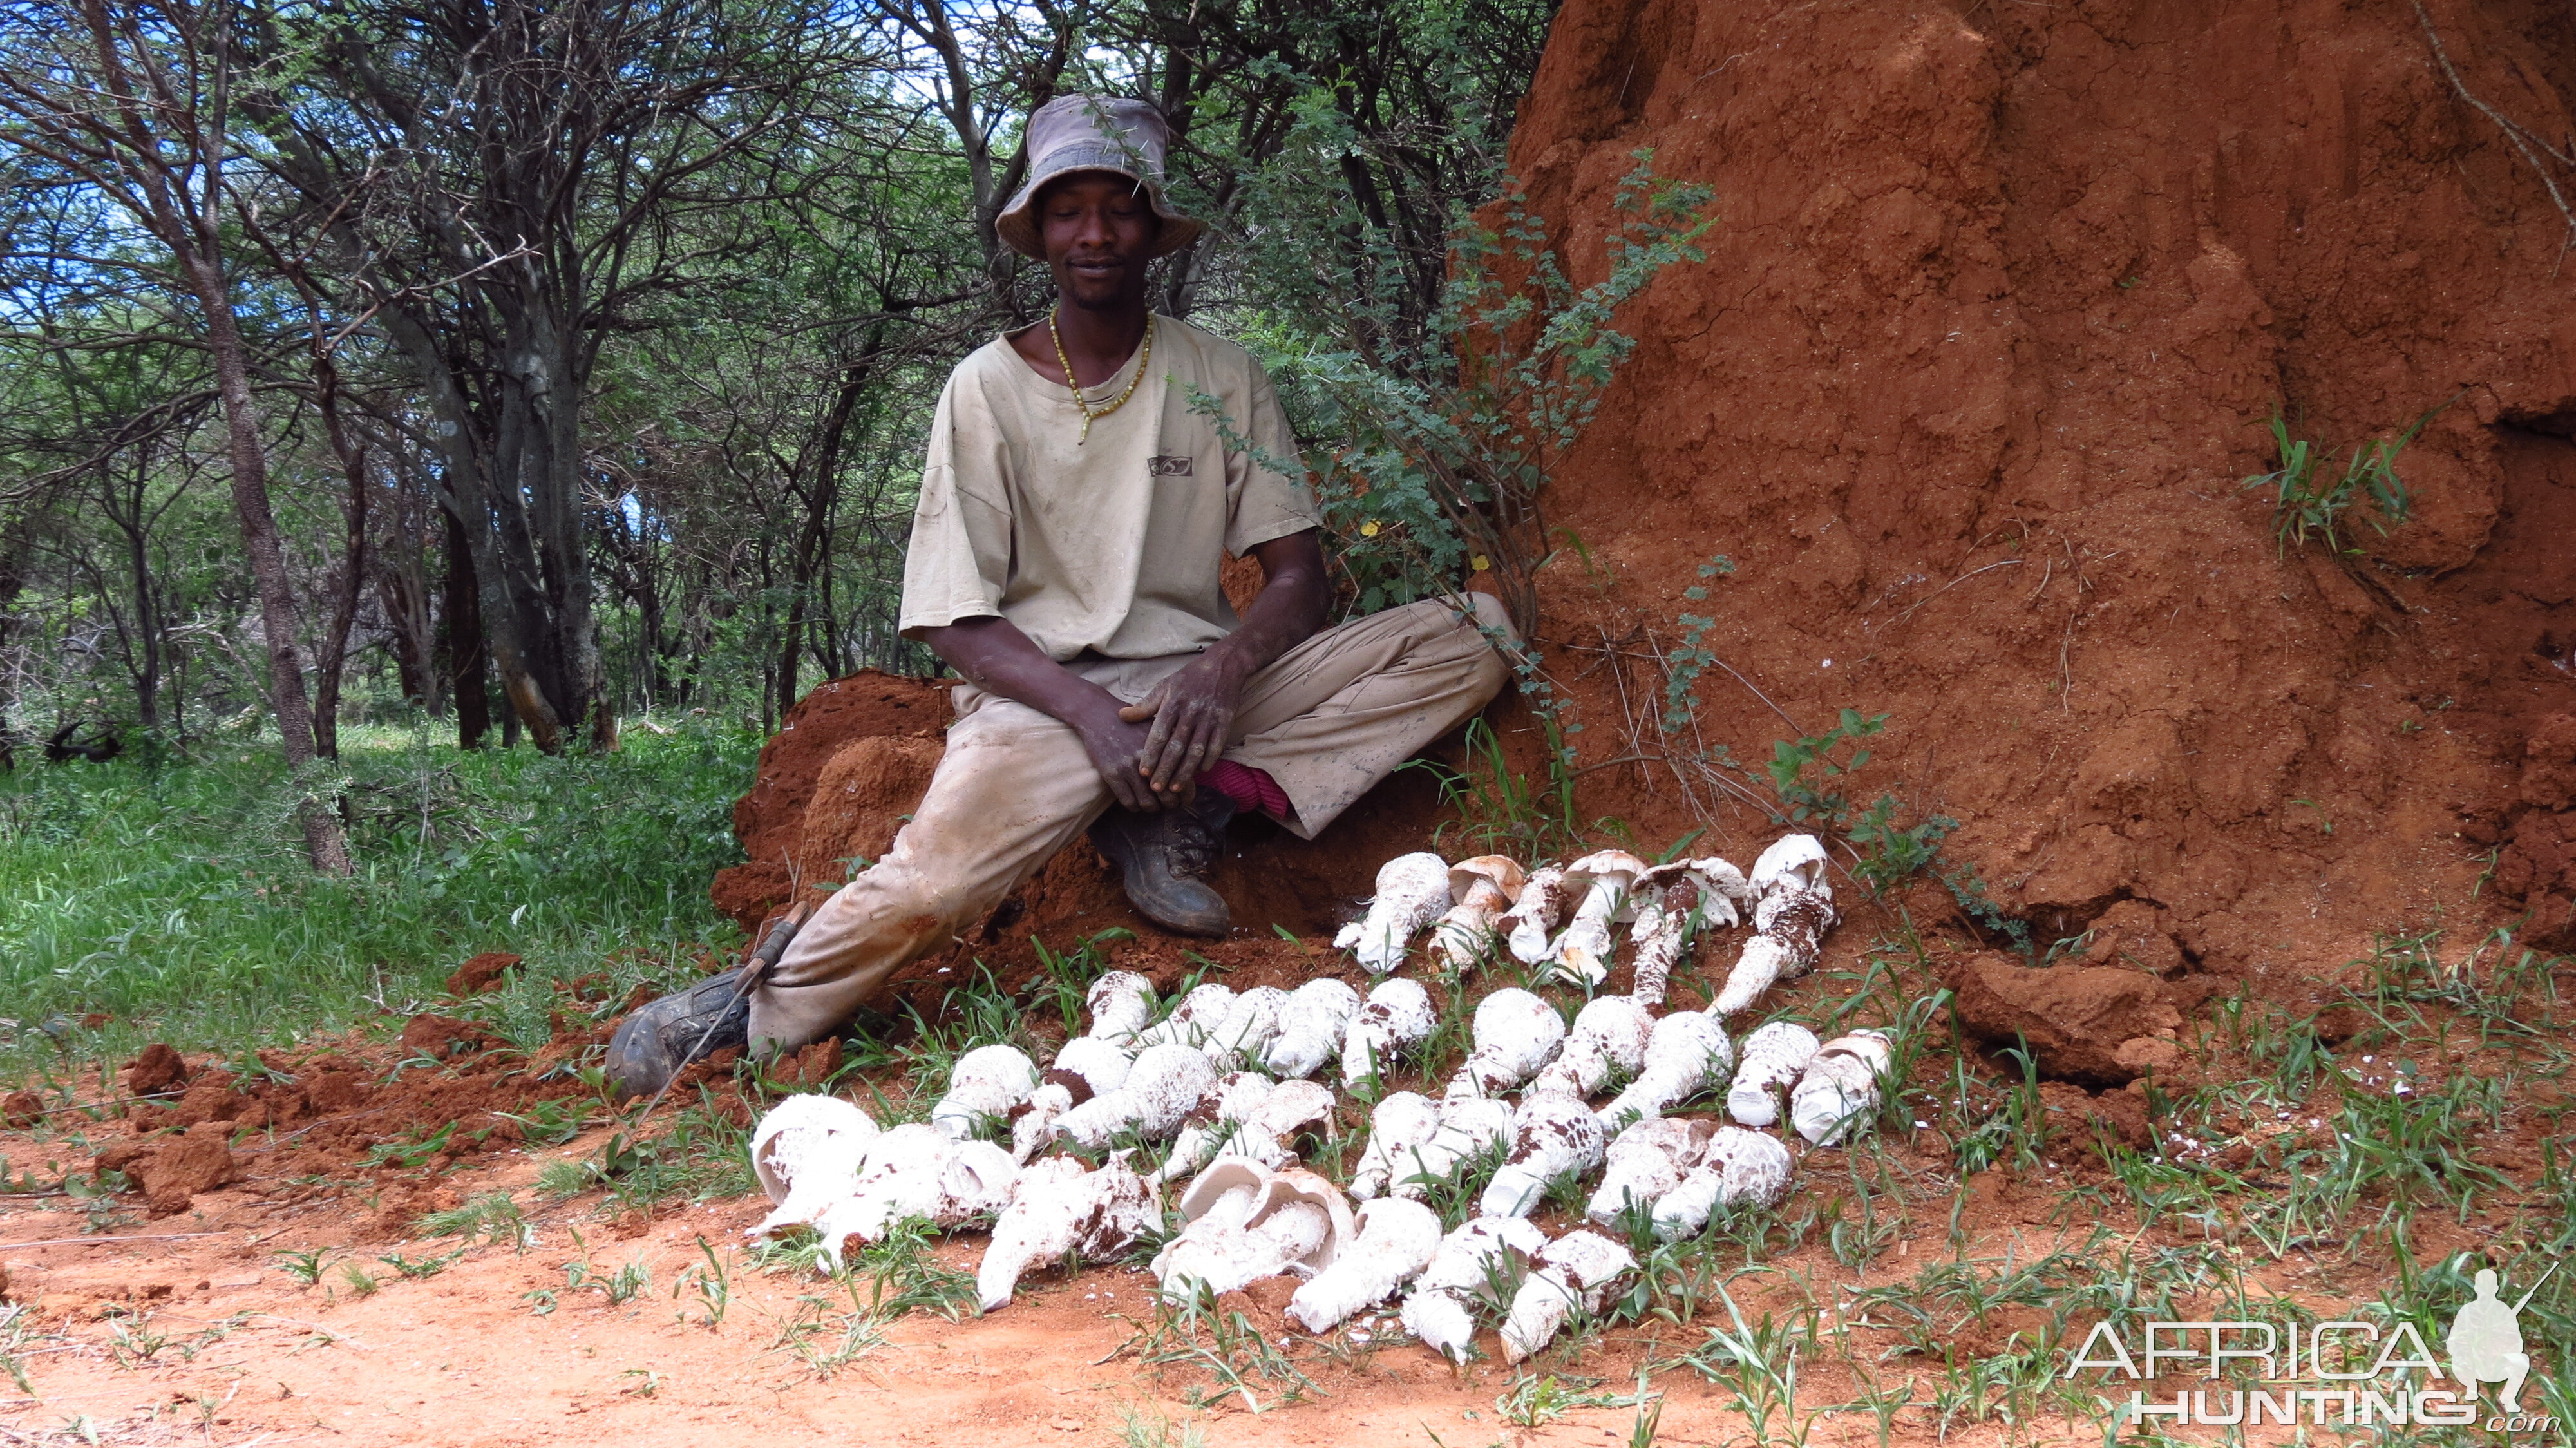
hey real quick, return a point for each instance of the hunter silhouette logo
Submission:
(2486, 1341)
(2348, 1373)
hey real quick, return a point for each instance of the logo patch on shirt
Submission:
(1167, 467)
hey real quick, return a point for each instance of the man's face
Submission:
(1097, 229)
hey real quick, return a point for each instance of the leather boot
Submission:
(662, 1036)
(653, 1044)
(1165, 858)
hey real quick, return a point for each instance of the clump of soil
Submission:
(2538, 861)
(200, 1160)
(486, 972)
(159, 1071)
(2096, 1025)
(770, 818)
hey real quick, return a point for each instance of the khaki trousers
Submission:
(1328, 719)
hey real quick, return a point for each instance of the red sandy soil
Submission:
(250, 1356)
(1998, 299)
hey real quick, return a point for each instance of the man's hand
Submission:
(1151, 769)
(1117, 748)
(1193, 713)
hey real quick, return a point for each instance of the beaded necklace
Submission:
(1078, 400)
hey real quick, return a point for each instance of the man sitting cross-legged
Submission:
(1075, 508)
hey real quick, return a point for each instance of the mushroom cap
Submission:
(1606, 864)
(1272, 1190)
(813, 1111)
(1869, 1045)
(1409, 871)
(1503, 870)
(1792, 862)
(1723, 874)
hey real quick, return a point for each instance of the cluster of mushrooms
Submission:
(1227, 1078)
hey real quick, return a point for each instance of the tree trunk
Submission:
(352, 574)
(462, 621)
(324, 842)
(502, 568)
(405, 602)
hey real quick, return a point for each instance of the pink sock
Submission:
(1249, 788)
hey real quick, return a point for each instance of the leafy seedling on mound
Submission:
(2310, 502)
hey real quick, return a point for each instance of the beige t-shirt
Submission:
(1107, 548)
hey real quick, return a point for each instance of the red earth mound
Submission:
(1998, 300)
(851, 759)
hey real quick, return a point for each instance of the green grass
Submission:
(170, 894)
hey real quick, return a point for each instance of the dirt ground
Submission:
(174, 1313)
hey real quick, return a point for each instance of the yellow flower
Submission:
(1369, 528)
(1480, 563)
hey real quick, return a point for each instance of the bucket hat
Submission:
(1095, 133)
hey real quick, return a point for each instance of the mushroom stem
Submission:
(1467, 931)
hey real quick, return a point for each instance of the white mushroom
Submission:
(1401, 1124)
(1738, 1168)
(1727, 881)
(1793, 862)
(1121, 1002)
(1582, 954)
(1396, 1018)
(1774, 1058)
(918, 1174)
(1471, 1269)
(1578, 1268)
(913, 1173)
(1839, 1091)
(1687, 1054)
(1395, 1242)
(1469, 1126)
(975, 1182)
(1412, 890)
(1206, 1127)
(983, 1086)
(1165, 1084)
(1553, 1137)
(1250, 1025)
(1056, 1208)
(1085, 1067)
(807, 1152)
(1515, 1035)
(1244, 1224)
(1290, 1108)
(1609, 1039)
(1647, 1160)
(1191, 1022)
(1681, 901)
(1531, 922)
(1484, 887)
(902, 1179)
(1254, 1118)
(1310, 1027)
(1793, 908)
